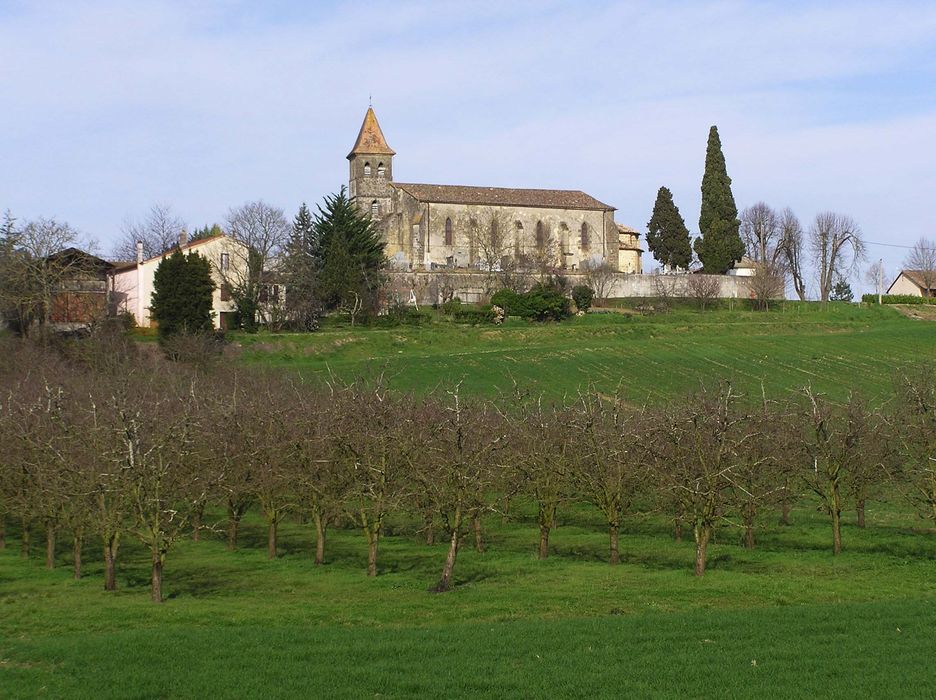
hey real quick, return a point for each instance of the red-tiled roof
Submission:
(370, 139)
(502, 196)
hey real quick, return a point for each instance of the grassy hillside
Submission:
(833, 348)
(786, 618)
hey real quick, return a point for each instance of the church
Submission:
(445, 227)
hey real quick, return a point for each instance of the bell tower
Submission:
(371, 165)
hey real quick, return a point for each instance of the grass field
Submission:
(834, 349)
(786, 619)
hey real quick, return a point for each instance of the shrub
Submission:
(582, 295)
(451, 306)
(402, 315)
(474, 315)
(542, 303)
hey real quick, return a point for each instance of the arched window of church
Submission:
(367, 168)
(374, 208)
(380, 170)
(540, 235)
(586, 239)
(448, 231)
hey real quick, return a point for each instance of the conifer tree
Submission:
(667, 235)
(347, 253)
(720, 245)
(182, 289)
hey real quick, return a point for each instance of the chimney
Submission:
(139, 251)
(183, 238)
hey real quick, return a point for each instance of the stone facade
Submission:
(436, 227)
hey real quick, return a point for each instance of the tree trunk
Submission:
(156, 579)
(543, 542)
(232, 529)
(445, 583)
(321, 525)
(77, 542)
(750, 510)
(677, 527)
(785, 512)
(110, 562)
(613, 536)
(861, 513)
(476, 526)
(50, 547)
(271, 540)
(197, 522)
(836, 531)
(429, 522)
(24, 544)
(505, 513)
(703, 533)
(373, 540)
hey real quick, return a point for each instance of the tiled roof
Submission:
(370, 139)
(917, 277)
(502, 196)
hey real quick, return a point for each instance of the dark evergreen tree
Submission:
(347, 255)
(206, 232)
(720, 245)
(298, 271)
(667, 235)
(842, 291)
(182, 290)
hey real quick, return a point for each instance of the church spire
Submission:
(370, 138)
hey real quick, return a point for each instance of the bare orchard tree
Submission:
(703, 289)
(914, 431)
(599, 275)
(922, 260)
(792, 249)
(767, 284)
(159, 230)
(837, 246)
(875, 275)
(262, 231)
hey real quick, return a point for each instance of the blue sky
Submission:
(111, 106)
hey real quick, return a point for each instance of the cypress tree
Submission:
(720, 245)
(667, 235)
(347, 254)
(182, 289)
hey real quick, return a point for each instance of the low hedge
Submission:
(897, 299)
(541, 303)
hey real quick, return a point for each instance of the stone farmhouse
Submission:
(457, 227)
(131, 284)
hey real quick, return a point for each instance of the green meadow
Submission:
(835, 349)
(786, 619)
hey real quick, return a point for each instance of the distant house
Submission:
(744, 268)
(917, 283)
(131, 284)
(80, 293)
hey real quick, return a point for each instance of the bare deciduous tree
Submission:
(792, 250)
(837, 246)
(703, 289)
(761, 231)
(922, 260)
(159, 231)
(599, 275)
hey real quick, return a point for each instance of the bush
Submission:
(451, 306)
(402, 315)
(474, 315)
(542, 303)
(582, 295)
(897, 299)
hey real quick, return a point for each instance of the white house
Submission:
(131, 284)
(744, 268)
(917, 283)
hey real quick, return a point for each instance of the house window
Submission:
(225, 262)
(540, 235)
(380, 170)
(225, 292)
(448, 231)
(374, 208)
(367, 169)
(586, 240)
